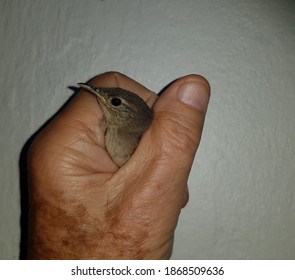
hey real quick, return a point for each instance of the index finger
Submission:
(116, 79)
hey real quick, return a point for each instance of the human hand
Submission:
(83, 207)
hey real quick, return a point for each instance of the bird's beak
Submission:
(88, 87)
(99, 94)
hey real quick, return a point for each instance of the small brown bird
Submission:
(126, 117)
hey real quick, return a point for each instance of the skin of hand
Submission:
(82, 206)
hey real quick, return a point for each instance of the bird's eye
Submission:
(116, 101)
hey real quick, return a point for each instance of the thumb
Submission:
(179, 116)
(165, 154)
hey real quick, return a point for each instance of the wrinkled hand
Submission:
(83, 207)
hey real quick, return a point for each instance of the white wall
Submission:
(242, 185)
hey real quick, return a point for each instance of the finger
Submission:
(116, 79)
(179, 118)
(110, 79)
(169, 146)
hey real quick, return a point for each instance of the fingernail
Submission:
(194, 94)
